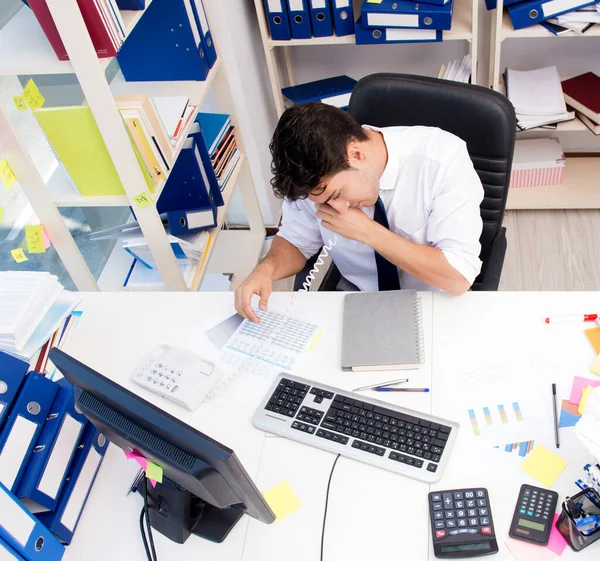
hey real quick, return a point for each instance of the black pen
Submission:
(555, 415)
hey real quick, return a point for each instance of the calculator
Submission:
(461, 523)
(534, 515)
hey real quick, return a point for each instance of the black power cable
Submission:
(326, 504)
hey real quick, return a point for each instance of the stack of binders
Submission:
(49, 458)
(400, 21)
(304, 19)
(525, 13)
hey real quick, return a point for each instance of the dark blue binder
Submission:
(12, 374)
(320, 89)
(299, 19)
(55, 449)
(320, 18)
(278, 18)
(343, 17)
(131, 4)
(531, 12)
(207, 170)
(402, 13)
(390, 35)
(161, 47)
(204, 29)
(191, 220)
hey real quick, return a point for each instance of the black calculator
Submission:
(534, 515)
(461, 523)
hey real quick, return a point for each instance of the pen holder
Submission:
(567, 527)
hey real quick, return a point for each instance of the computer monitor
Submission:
(205, 490)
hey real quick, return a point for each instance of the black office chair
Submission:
(484, 119)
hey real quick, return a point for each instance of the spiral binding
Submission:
(419, 329)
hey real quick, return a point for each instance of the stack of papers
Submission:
(588, 427)
(32, 306)
(457, 70)
(537, 97)
(175, 113)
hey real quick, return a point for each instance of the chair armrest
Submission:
(489, 278)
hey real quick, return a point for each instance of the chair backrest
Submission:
(484, 119)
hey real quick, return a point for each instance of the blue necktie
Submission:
(387, 273)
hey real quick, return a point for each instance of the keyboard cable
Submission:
(326, 504)
(144, 517)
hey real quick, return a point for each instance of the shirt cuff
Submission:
(468, 267)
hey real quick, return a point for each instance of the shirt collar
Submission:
(389, 177)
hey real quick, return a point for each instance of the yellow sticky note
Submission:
(585, 394)
(18, 255)
(154, 472)
(143, 200)
(1, 214)
(19, 103)
(595, 366)
(32, 96)
(282, 500)
(34, 235)
(374, 1)
(543, 465)
(7, 174)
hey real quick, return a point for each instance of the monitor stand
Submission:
(177, 514)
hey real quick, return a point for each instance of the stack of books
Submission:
(583, 94)
(537, 97)
(219, 135)
(400, 21)
(537, 162)
(33, 305)
(558, 18)
(457, 70)
(47, 465)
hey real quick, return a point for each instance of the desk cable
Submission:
(148, 541)
(326, 504)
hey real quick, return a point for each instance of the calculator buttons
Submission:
(447, 500)
(436, 497)
(440, 534)
(470, 504)
(437, 506)
(472, 512)
(462, 522)
(481, 502)
(438, 515)
(461, 513)
(486, 530)
(449, 514)
(439, 524)
(458, 496)
(459, 504)
(469, 495)
(484, 520)
(480, 493)
(473, 522)
(450, 523)
(483, 512)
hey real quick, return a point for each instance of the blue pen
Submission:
(385, 389)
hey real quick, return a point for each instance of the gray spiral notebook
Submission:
(382, 331)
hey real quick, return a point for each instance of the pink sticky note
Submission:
(524, 551)
(556, 542)
(579, 384)
(152, 482)
(47, 242)
(139, 459)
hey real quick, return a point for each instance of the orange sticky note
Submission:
(7, 174)
(18, 255)
(593, 336)
(34, 235)
(143, 200)
(19, 103)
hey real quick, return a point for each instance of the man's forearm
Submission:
(428, 264)
(283, 260)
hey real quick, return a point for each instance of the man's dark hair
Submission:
(308, 145)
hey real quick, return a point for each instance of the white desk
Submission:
(373, 514)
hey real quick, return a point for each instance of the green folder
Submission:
(77, 142)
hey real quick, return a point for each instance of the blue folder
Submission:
(401, 13)
(343, 17)
(204, 29)
(162, 47)
(320, 18)
(299, 19)
(131, 4)
(531, 12)
(62, 522)
(24, 533)
(320, 90)
(22, 429)
(7, 552)
(214, 126)
(12, 374)
(277, 16)
(55, 449)
(191, 220)
(390, 35)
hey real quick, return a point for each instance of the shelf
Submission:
(461, 30)
(26, 50)
(580, 189)
(536, 31)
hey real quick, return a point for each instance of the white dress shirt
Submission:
(431, 194)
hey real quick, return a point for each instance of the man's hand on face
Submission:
(260, 283)
(352, 224)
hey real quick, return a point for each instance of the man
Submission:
(401, 205)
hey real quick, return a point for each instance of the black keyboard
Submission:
(395, 438)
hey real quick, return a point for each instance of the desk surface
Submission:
(481, 339)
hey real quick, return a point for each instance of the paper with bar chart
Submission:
(502, 424)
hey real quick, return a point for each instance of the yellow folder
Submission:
(77, 142)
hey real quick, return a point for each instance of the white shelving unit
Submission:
(580, 188)
(464, 28)
(25, 50)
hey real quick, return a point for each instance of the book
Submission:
(583, 94)
(82, 151)
(537, 162)
(382, 331)
(594, 127)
